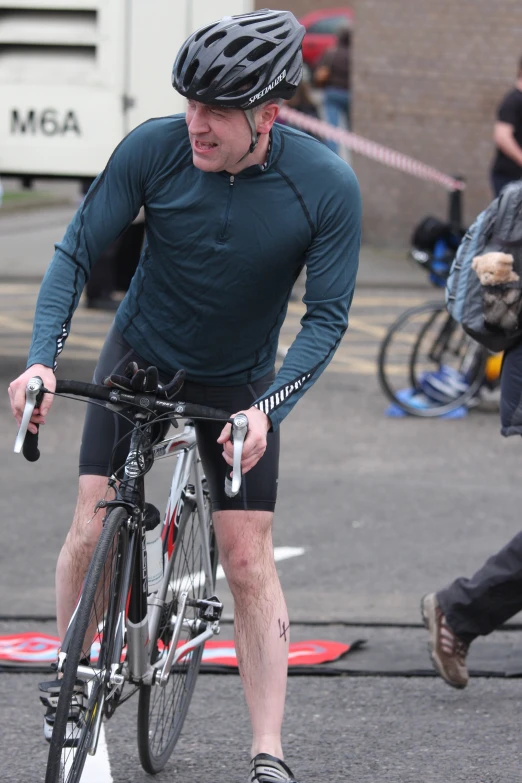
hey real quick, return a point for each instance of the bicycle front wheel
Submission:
(425, 350)
(162, 709)
(96, 640)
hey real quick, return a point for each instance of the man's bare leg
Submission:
(78, 548)
(261, 620)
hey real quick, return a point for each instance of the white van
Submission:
(77, 75)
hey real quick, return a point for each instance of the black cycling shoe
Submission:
(265, 768)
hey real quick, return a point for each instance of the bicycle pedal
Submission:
(210, 609)
(50, 692)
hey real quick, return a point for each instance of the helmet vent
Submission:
(235, 46)
(269, 27)
(252, 20)
(204, 31)
(282, 35)
(190, 73)
(181, 62)
(260, 51)
(215, 37)
(207, 79)
(240, 88)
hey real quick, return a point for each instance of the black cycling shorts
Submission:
(103, 431)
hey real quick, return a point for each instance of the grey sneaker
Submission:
(448, 651)
(50, 692)
(265, 768)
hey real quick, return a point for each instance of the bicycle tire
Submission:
(162, 709)
(453, 339)
(475, 355)
(103, 587)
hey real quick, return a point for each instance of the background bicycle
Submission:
(147, 606)
(427, 365)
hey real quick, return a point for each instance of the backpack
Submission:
(489, 307)
(438, 243)
(428, 232)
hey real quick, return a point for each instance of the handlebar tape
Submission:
(30, 448)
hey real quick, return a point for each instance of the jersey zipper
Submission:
(221, 240)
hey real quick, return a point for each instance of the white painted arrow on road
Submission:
(280, 553)
(193, 581)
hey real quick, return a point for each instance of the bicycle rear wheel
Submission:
(162, 709)
(97, 617)
(426, 343)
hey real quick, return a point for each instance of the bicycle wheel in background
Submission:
(162, 709)
(96, 619)
(427, 365)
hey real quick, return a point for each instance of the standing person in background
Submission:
(115, 266)
(507, 135)
(302, 101)
(333, 75)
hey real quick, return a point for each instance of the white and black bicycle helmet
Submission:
(242, 61)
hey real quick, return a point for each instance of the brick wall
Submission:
(427, 79)
(301, 7)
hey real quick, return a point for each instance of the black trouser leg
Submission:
(128, 255)
(499, 181)
(101, 280)
(475, 607)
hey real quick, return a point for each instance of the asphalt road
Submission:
(385, 509)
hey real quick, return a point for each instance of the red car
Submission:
(321, 31)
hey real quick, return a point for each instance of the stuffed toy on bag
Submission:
(501, 301)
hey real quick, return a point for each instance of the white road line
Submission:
(280, 553)
(97, 768)
(285, 552)
(196, 580)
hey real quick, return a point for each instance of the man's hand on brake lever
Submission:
(255, 441)
(17, 394)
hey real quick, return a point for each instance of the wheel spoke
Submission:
(163, 708)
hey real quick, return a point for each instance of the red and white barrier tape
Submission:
(370, 149)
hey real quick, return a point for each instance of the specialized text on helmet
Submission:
(270, 87)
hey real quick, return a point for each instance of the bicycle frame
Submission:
(139, 614)
(143, 626)
(131, 616)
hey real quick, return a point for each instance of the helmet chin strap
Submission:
(249, 114)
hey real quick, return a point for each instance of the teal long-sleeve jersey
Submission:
(221, 255)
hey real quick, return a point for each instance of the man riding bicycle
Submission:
(235, 206)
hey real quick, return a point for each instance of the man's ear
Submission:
(266, 117)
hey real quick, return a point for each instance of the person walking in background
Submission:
(333, 76)
(507, 134)
(473, 607)
(468, 608)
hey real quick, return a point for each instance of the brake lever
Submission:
(237, 436)
(174, 386)
(33, 391)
